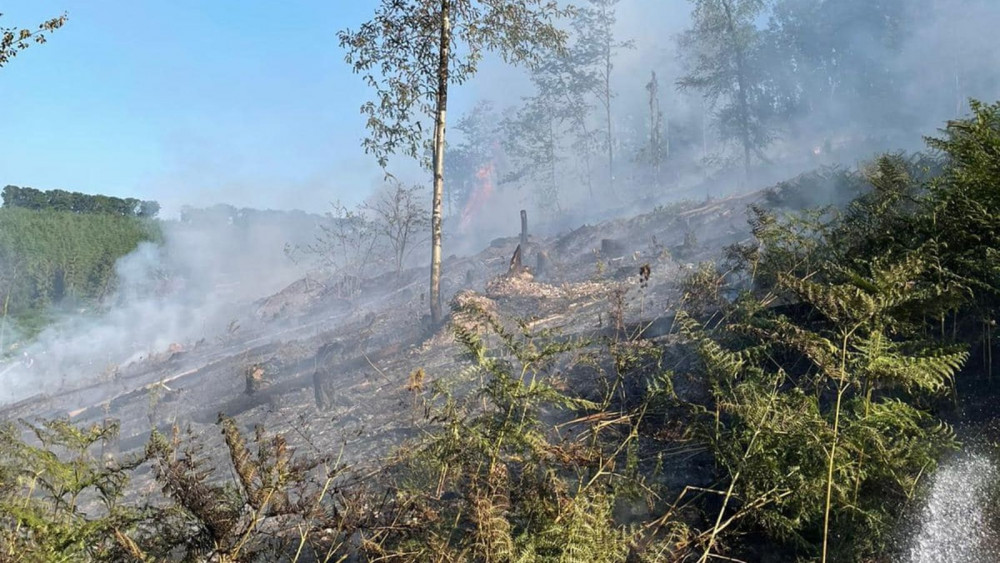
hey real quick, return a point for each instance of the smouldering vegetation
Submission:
(825, 352)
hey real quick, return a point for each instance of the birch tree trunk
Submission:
(438, 161)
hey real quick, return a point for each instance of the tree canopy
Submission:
(76, 202)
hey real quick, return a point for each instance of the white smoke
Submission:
(192, 286)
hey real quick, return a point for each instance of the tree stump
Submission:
(524, 228)
(516, 265)
(542, 263)
(319, 392)
(611, 248)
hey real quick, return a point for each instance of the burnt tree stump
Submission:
(611, 248)
(516, 264)
(319, 392)
(542, 262)
(524, 229)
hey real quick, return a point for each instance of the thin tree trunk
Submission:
(741, 84)
(704, 130)
(439, 122)
(578, 120)
(607, 113)
(607, 101)
(655, 139)
(552, 166)
(651, 88)
(665, 138)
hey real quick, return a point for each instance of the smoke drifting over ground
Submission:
(833, 83)
(836, 82)
(203, 277)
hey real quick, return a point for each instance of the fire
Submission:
(479, 197)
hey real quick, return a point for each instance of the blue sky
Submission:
(207, 101)
(187, 101)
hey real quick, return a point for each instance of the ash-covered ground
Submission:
(329, 367)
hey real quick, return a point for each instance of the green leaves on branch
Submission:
(821, 371)
(14, 40)
(397, 53)
(502, 481)
(44, 488)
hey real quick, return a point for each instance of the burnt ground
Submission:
(329, 367)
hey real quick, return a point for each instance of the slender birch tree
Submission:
(411, 51)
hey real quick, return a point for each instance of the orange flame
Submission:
(479, 197)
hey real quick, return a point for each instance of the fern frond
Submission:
(494, 539)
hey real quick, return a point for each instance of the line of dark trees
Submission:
(76, 202)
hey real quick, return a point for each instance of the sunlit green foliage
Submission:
(501, 485)
(826, 366)
(821, 366)
(817, 410)
(43, 490)
(48, 256)
(964, 218)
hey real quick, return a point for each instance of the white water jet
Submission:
(953, 526)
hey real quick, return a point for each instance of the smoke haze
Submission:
(905, 76)
(204, 276)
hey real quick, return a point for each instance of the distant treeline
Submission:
(76, 202)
